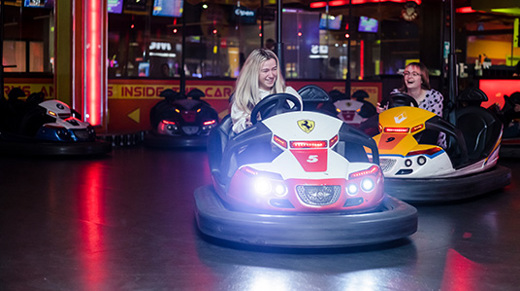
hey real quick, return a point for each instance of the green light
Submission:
(510, 11)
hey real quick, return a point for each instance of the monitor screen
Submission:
(136, 5)
(367, 24)
(334, 22)
(38, 3)
(115, 6)
(169, 8)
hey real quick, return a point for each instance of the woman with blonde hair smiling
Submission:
(260, 76)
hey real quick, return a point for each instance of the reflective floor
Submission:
(125, 222)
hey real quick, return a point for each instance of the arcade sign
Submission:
(319, 51)
(161, 49)
(244, 15)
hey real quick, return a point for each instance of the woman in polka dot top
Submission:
(416, 83)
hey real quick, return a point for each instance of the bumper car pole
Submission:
(452, 61)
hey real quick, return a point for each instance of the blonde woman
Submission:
(260, 76)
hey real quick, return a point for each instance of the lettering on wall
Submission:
(116, 91)
(47, 89)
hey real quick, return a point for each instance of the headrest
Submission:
(472, 94)
(336, 95)
(15, 93)
(313, 93)
(196, 94)
(170, 95)
(360, 95)
(515, 97)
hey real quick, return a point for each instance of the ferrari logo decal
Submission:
(400, 118)
(306, 125)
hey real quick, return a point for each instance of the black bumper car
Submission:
(46, 128)
(179, 122)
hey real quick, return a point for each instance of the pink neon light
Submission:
(467, 9)
(93, 65)
(322, 4)
(361, 59)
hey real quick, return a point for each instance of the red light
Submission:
(299, 33)
(318, 4)
(308, 144)
(333, 141)
(361, 59)
(250, 171)
(209, 122)
(168, 122)
(322, 4)
(280, 141)
(417, 128)
(175, 30)
(370, 171)
(338, 2)
(347, 35)
(396, 129)
(93, 50)
(427, 152)
(214, 31)
(132, 26)
(467, 9)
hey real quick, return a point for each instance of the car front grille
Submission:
(387, 164)
(190, 130)
(318, 195)
(81, 134)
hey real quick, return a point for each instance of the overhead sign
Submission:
(244, 15)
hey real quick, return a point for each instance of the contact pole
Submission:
(2, 47)
(452, 73)
(347, 81)
(183, 57)
(279, 44)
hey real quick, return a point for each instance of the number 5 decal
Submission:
(312, 159)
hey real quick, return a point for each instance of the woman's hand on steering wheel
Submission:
(275, 104)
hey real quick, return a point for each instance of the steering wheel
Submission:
(401, 99)
(275, 104)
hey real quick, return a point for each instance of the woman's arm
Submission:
(240, 118)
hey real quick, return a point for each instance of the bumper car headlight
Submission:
(352, 189)
(262, 186)
(367, 184)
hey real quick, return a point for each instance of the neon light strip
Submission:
(322, 4)
(93, 62)
(361, 59)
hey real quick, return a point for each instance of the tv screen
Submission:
(334, 22)
(169, 8)
(367, 24)
(38, 3)
(136, 5)
(115, 6)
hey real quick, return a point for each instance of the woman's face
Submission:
(412, 77)
(268, 74)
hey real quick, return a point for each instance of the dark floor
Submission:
(125, 222)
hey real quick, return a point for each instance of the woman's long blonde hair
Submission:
(247, 92)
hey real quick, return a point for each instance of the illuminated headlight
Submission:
(262, 186)
(280, 190)
(352, 189)
(367, 184)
